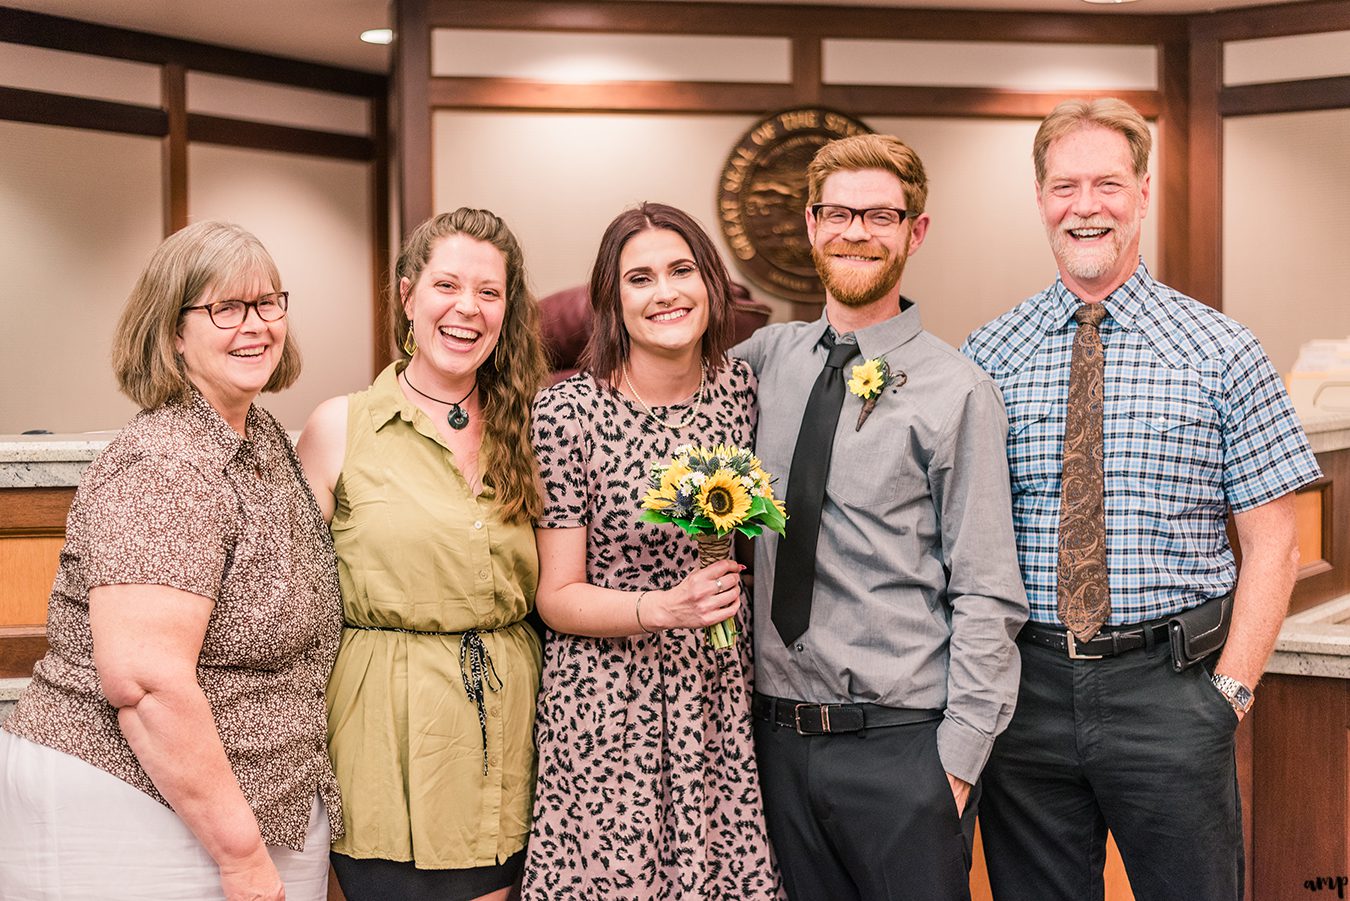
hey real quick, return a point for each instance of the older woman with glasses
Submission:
(171, 743)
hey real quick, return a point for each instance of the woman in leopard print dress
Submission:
(647, 782)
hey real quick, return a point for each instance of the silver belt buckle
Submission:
(1073, 649)
(824, 718)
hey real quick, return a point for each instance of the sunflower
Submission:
(670, 479)
(868, 379)
(724, 500)
(656, 500)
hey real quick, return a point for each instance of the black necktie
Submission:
(794, 573)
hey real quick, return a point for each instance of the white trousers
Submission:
(71, 832)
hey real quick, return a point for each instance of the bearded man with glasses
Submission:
(885, 617)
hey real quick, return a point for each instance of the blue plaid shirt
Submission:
(1196, 423)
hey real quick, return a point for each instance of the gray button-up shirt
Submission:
(918, 597)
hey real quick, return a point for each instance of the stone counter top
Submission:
(1315, 642)
(48, 461)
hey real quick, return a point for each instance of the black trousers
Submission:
(374, 879)
(1125, 744)
(864, 816)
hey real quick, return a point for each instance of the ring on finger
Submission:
(718, 583)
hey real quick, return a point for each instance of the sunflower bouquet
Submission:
(711, 493)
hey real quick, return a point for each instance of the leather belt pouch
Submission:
(1199, 632)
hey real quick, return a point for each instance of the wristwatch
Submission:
(1237, 694)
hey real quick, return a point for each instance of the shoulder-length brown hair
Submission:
(190, 262)
(607, 348)
(511, 375)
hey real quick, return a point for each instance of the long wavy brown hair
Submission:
(511, 375)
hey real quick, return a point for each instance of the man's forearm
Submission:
(1269, 539)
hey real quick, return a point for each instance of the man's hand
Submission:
(960, 792)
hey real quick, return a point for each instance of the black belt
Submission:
(824, 719)
(1107, 643)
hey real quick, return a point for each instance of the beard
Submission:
(1091, 263)
(858, 289)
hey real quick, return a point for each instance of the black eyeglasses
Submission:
(880, 221)
(232, 313)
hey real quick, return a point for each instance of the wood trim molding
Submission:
(174, 163)
(412, 114)
(34, 512)
(1174, 60)
(806, 70)
(635, 16)
(967, 103)
(381, 349)
(43, 108)
(19, 26)
(1276, 20)
(20, 648)
(1286, 96)
(289, 139)
(618, 96)
(1204, 220)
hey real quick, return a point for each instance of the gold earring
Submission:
(410, 342)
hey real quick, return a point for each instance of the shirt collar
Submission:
(880, 339)
(222, 443)
(387, 399)
(1125, 304)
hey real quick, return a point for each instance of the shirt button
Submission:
(478, 524)
(482, 574)
(799, 647)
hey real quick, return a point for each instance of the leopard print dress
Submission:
(647, 782)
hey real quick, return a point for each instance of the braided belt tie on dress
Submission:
(475, 666)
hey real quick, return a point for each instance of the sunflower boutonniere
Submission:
(870, 378)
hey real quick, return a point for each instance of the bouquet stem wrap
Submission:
(712, 549)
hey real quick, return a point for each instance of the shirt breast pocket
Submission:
(1034, 442)
(874, 466)
(1172, 447)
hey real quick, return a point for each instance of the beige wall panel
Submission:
(243, 99)
(552, 56)
(1287, 58)
(313, 215)
(39, 69)
(79, 217)
(558, 179)
(1286, 202)
(1023, 67)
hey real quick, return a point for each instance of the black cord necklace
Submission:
(457, 418)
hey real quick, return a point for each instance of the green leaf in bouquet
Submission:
(655, 516)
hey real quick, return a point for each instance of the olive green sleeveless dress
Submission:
(419, 554)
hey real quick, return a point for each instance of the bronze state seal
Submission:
(761, 201)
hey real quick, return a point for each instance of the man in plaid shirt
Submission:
(1111, 732)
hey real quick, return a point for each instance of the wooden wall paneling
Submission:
(1286, 96)
(806, 69)
(618, 96)
(20, 648)
(966, 102)
(1300, 796)
(29, 565)
(267, 136)
(1171, 189)
(34, 512)
(382, 349)
(43, 108)
(58, 33)
(821, 21)
(1317, 584)
(412, 118)
(174, 163)
(1204, 209)
(1279, 20)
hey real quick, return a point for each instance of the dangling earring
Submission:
(410, 341)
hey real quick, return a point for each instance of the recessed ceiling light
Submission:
(386, 35)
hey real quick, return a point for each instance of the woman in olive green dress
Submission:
(428, 482)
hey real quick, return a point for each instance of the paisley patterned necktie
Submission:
(1084, 590)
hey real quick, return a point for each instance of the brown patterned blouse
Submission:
(180, 499)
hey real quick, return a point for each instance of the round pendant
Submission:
(457, 418)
